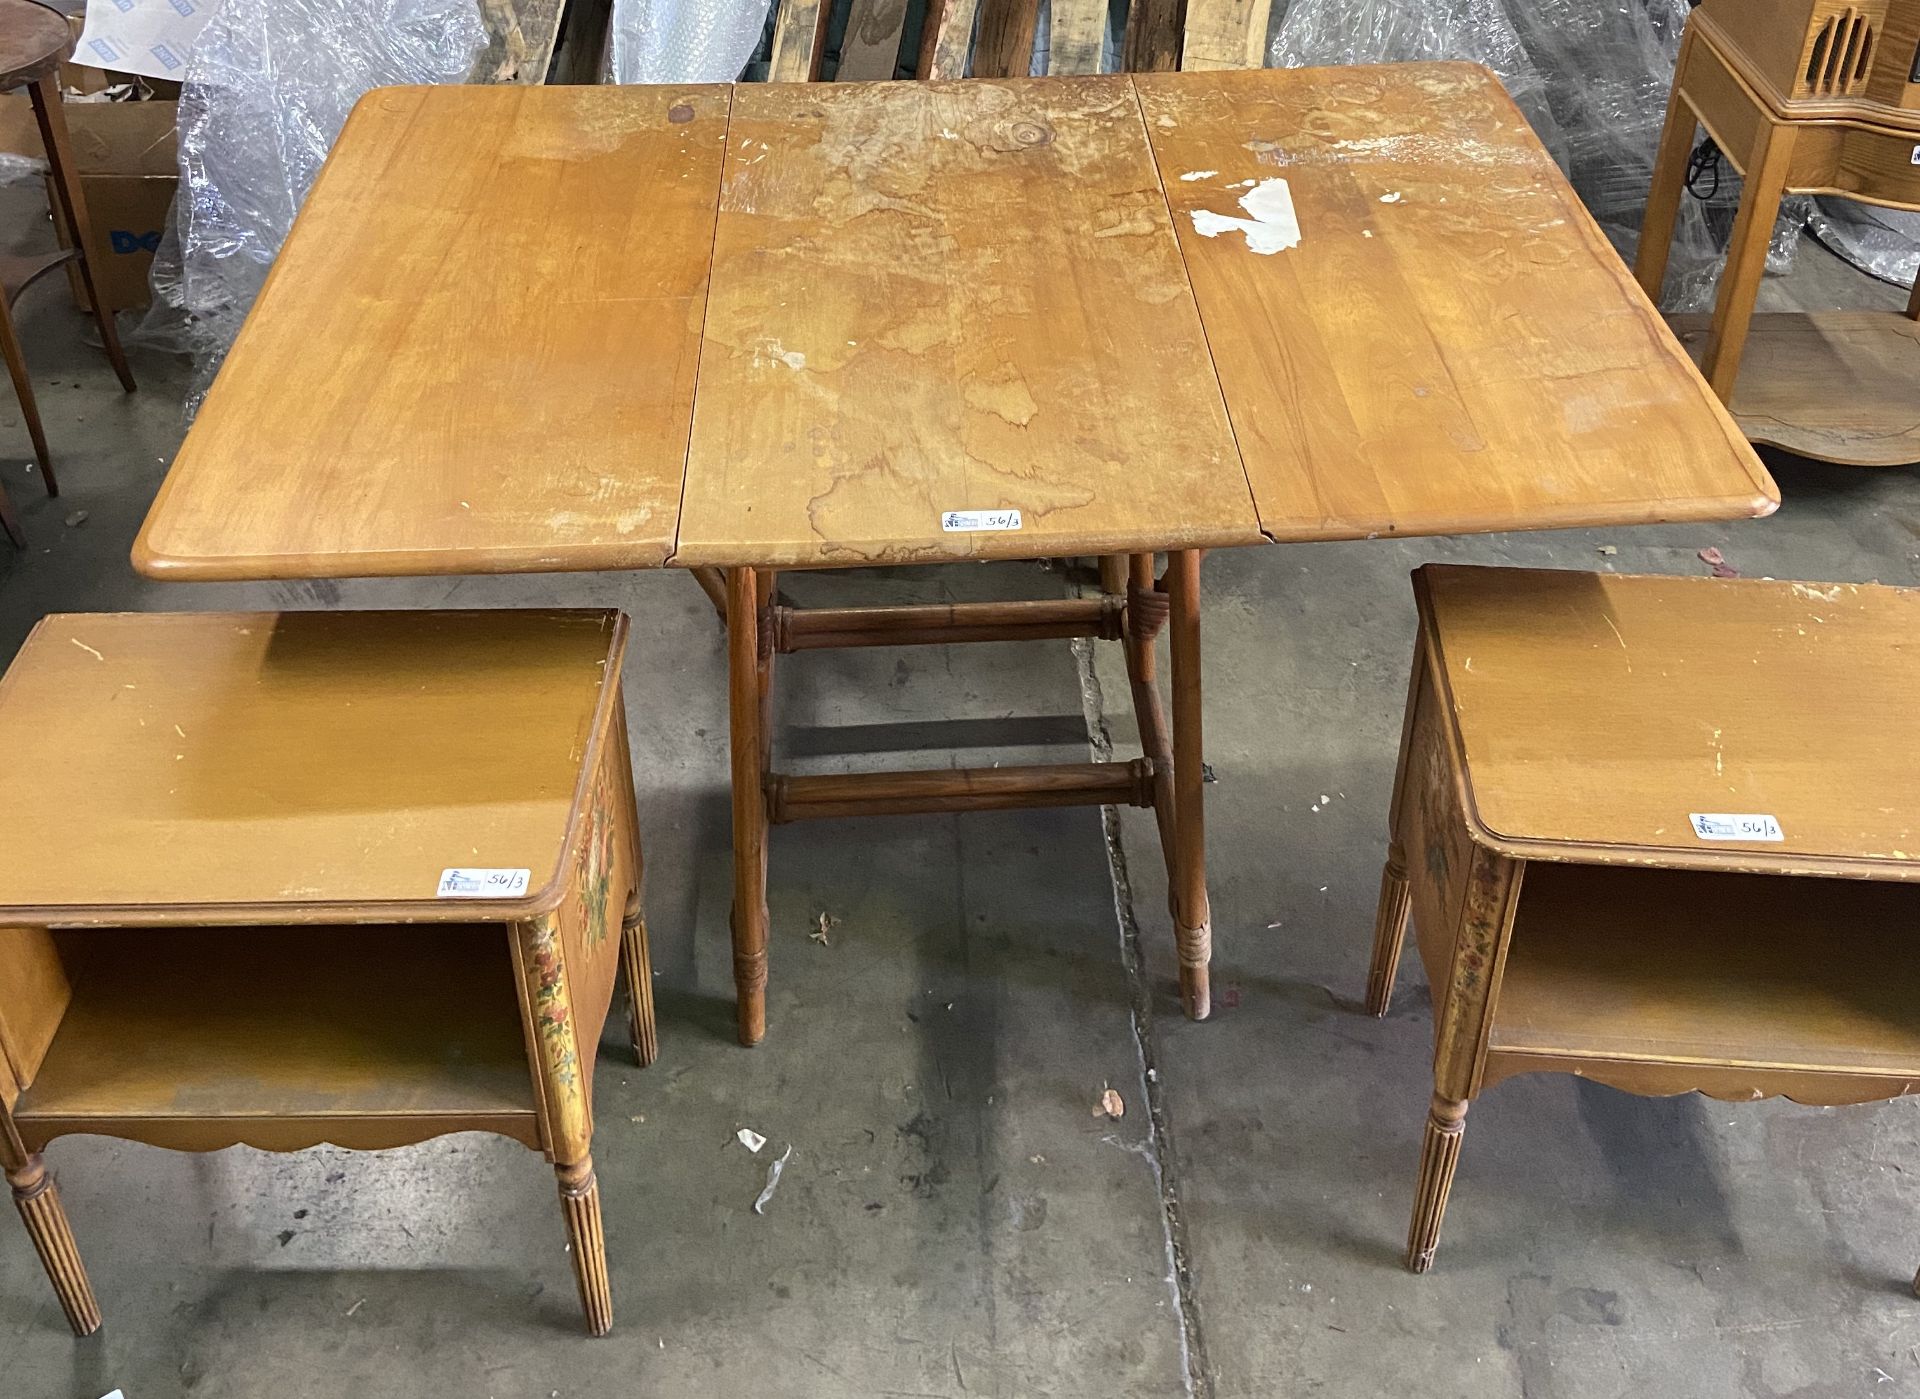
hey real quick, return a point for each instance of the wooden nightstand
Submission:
(1663, 833)
(290, 878)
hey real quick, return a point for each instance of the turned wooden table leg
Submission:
(747, 698)
(72, 199)
(586, 1242)
(38, 1200)
(1389, 930)
(1146, 618)
(1193, 918)
(1913, 301)
(1439, 1154)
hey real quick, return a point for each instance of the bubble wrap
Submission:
(685, 41)
(268, 86)
(1591, 75)
(1883, 243)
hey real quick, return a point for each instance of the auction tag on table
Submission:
(484, 884)
(976, 521)
(1916, 155)
(1722, 825)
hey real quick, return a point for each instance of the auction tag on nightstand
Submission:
(1721, 825)
(484, 884)
(976, 521)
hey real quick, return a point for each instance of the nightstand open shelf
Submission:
(1616, 968)
(353, 1034)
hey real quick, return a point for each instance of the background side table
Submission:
(1803, 97)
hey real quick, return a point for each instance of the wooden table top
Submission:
(1598, 714)
(269, 767)
(1083, 300)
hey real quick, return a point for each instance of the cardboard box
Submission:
(125, 153)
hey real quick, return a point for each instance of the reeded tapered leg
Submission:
(38, 1200)
(1146, 618)
(587, 1242)
(747, 694)
(1389, 931)
(634, 958)
(1192, 916)
(1439, 1154)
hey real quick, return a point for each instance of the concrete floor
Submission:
(954, 1220)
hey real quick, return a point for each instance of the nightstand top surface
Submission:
(296, 766)
(1601, 717)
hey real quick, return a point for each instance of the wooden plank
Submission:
(1714, 969)
(1152, 43)
(799, 41)
(995, 318)
(1450, 344)
(293, 762)
(1076, 37)
(946, 38)
(1004, 46)
(870, 51)
(476, 351)
(1793, 700)
(1225, 34)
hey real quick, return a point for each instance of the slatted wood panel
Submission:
(890, 313)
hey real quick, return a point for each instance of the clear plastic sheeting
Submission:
(685, 41)
(1883, 243)
(268, 87)
(1592, 76)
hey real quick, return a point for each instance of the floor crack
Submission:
(1160, 1154)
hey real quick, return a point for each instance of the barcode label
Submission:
(974, 521)
(484, 884)
(1723, 825)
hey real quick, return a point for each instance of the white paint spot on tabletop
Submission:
(1273, 226)
(1193, 175)
(1393, 198)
